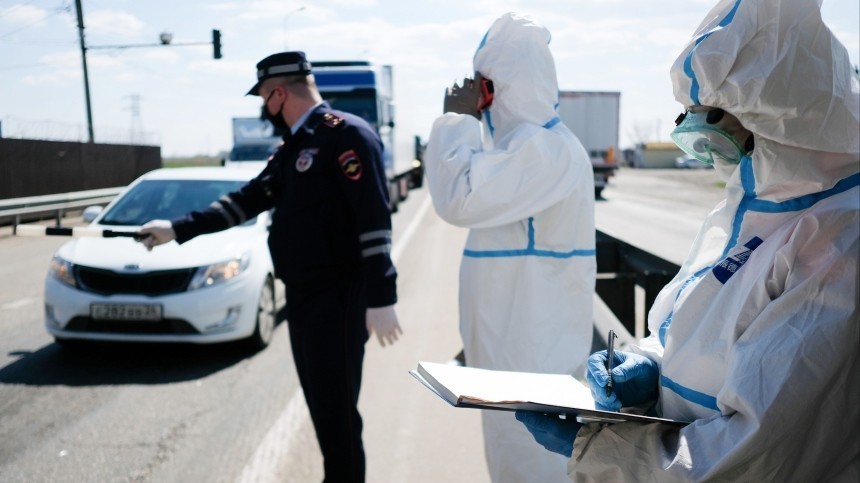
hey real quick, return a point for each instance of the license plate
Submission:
(125, 311)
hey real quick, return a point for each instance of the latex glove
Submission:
(156, 232)
(550, 431)
(383, 322)
(463, 100)
(634, 380)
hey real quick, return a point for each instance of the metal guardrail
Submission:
(14, 209)
(620, 268)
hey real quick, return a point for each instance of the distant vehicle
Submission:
(254, 141)
(213, 288)
(684, 162)
(594, 118)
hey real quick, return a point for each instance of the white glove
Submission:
(156, 232)
(383, 321)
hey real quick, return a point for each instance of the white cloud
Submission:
(114, 23)
(21, 14)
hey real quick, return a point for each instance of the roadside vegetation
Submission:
(191, 161)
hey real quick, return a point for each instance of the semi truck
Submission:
(362, 88)
(593, 116)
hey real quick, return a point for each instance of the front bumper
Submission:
(218, 313)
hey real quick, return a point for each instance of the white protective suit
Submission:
(757, 337)
(528, 269)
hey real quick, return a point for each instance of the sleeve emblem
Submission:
(350, 164)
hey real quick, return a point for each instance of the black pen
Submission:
(610, 360)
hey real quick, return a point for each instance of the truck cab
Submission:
(365, 89)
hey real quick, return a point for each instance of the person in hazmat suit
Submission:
(756, 339)
(525, 189)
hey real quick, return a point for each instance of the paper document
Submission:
(510, 391)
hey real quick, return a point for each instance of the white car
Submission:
(213, 288)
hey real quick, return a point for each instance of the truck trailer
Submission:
(594, 118)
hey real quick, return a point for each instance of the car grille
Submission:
(159, 327)
(150, 283)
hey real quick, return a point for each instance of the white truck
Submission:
(359, 87)
(594, 117)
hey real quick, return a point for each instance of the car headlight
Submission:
(219, 272)
(62, 270)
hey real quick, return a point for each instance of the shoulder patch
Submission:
(331, 120)
(350, 164)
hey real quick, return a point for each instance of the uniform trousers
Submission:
(327, 334)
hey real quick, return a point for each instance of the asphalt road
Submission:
(179, 413)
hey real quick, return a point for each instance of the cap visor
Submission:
(255, 91)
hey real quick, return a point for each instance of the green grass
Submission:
(191, 161)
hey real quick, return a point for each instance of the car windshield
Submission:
(166, 199)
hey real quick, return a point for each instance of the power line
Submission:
(13, 7)
(57, 11)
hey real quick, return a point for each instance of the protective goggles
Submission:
(707, 134)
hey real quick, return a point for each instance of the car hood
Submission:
(125, 254)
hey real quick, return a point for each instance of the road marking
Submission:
(263, 466)
(410, 230)
(277, 444)
(18, 304)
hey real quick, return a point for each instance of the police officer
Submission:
(330, 242)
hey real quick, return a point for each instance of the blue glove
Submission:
(634, 380)
(549, 431)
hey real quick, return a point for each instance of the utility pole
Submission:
(86, 74)
(135, 128)
(165, 41)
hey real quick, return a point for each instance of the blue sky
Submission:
(184, 99)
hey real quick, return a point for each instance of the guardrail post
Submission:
(618, 292)
(620, 267)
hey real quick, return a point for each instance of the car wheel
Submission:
(265, 325)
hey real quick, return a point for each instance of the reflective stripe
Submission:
(367, 252)
(552, 122)
(219, 207)
(688, 61)
(804, 202)
(691, 395)
(750, 203)
(371, 235)
(230, 210)
(664, 327)
(529, 251)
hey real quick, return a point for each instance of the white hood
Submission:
(776, 66)
(515, 55)
(120, 253)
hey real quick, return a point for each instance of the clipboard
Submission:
(562, 394)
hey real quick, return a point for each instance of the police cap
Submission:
(281, 64)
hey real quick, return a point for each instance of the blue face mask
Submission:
(710, 134)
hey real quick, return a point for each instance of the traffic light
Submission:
(216, 44)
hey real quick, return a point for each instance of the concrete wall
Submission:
(33, 168)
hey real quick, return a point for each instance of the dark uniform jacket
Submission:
(331, 216)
